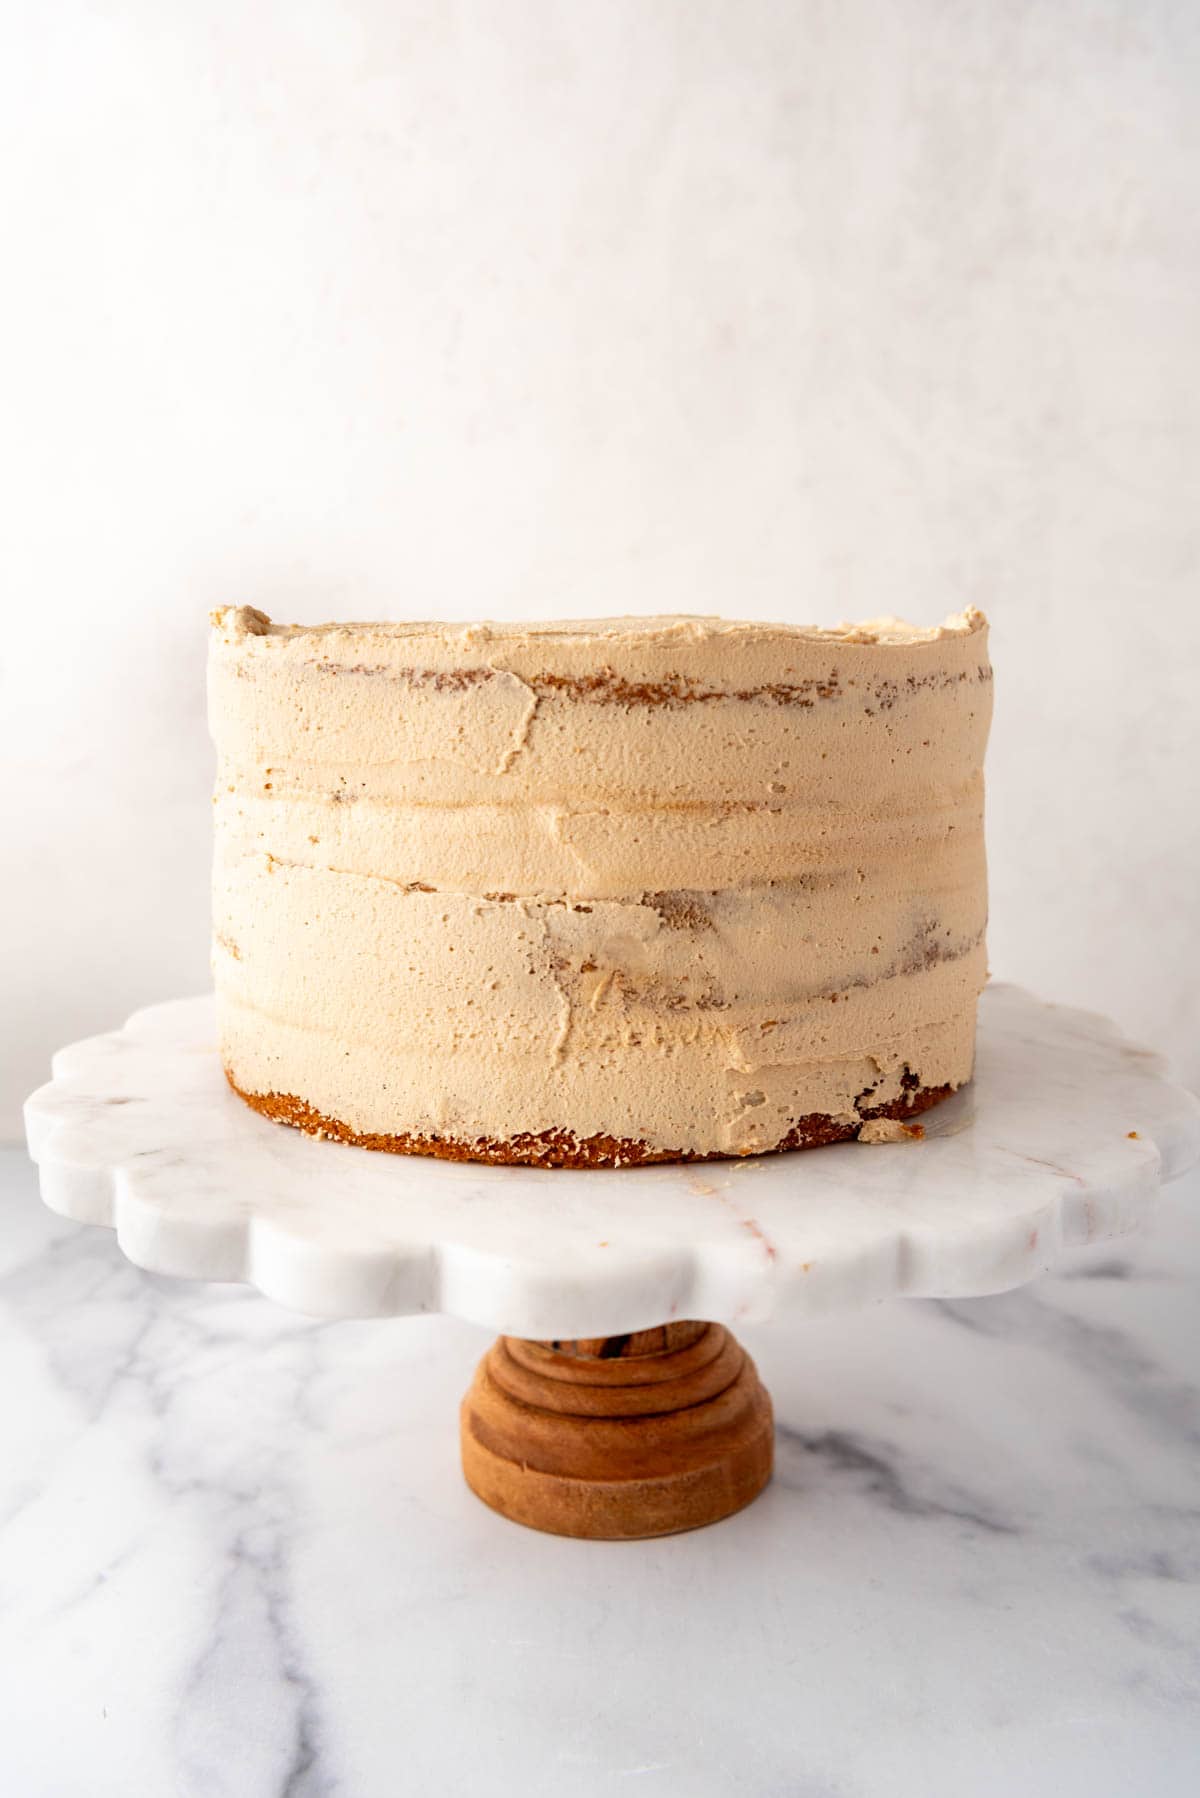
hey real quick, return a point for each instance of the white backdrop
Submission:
(803, 310)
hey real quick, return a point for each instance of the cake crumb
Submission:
(890, 1130)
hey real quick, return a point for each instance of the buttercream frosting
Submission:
(672, 881)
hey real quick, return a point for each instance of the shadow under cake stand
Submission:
(605, 1409)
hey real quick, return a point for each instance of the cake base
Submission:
(559, 1148)
(621, 1437)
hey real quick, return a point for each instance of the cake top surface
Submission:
(235, 622)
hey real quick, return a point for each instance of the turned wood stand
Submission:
(618, 1437)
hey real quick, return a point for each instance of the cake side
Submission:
(678, 885)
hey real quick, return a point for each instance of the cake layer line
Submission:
(670, 951)
(603, 853)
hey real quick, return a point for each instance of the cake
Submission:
(598, 893)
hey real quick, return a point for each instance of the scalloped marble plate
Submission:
(1063, 1139)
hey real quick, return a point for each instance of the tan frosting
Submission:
(675, 880)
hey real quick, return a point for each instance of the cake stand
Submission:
(605, 1409)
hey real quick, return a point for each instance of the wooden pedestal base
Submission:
(620, 1436)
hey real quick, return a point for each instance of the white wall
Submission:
(799, 310)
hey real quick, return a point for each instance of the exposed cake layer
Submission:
(673, 882)
(559, 1148)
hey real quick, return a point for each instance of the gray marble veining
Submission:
(237, 1559)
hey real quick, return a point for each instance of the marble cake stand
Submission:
(603, 1409)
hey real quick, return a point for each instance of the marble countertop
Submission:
(237, 1558)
